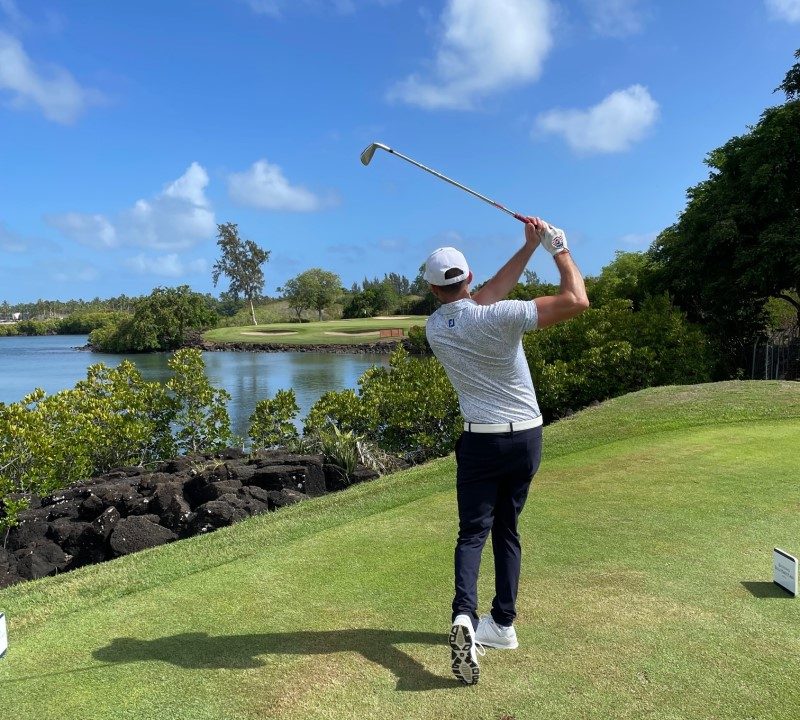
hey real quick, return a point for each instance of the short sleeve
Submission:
(517, 315)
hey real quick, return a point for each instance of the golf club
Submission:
(366, 157)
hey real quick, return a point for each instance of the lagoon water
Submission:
(53, 363)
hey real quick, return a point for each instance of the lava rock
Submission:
(282, 498)
(105, 523)
(137, 533)
(32, 526)
(278, 477)
(41, 559)
(216, 514)
(91, 507)
(8, 569)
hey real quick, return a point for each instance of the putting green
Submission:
(329, 332)
(646, 590)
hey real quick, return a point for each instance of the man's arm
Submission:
(508, 276)
(571, 299)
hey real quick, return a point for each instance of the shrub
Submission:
(409, 409)
(271, 423)
(201, 420)
(418, 340)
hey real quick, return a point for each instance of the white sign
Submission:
(3, 635)
(784, 570)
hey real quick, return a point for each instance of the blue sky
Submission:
(128, 130)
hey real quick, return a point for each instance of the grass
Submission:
(645, 592)
(339, 332)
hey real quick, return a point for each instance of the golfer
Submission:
(478, 339)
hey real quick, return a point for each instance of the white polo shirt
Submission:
(480, 347)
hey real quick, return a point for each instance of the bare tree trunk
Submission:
(253, 312)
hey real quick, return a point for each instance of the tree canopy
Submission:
(737, 243)
(240, 262)
(315, 288)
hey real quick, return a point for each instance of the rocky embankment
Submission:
(130, 509)
(384, 347)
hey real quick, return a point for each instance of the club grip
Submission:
(521, 218)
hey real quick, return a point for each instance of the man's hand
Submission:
(551, 238)
(533, 232)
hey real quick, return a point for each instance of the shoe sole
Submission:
(499, 647)
(466, 670)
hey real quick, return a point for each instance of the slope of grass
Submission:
(336, 332)
(645, 593)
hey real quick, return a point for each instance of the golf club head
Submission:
(366, 156)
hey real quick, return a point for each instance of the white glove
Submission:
(553, 240)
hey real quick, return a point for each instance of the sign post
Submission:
(784, 570)
(3, 635)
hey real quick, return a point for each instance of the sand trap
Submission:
(353, 334)
(392, 317)
(271, 333)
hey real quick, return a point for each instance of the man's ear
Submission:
(434, 290)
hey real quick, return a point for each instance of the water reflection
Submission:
(53, 364)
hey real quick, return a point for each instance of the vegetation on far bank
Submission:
(646, 587)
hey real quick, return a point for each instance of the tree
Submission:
(241, 263)
(315, 288)
(160, 321)
(737, 243)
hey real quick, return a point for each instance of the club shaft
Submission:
(458, 185)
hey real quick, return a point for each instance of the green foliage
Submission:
(627, 276)
(201, 419)
(409, 409)
(160, 321)
(418, 340)
(316, 289)
(240, 262)
(111, 418)
(737, 244)
(84, 322)
(612, 350)
(271, 423)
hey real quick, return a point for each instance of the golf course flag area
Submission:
(646, 590)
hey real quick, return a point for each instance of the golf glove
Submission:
(553, 240)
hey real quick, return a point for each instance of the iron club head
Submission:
(366, 156)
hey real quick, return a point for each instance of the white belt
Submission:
(502, 427)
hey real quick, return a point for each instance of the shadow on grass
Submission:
(762, 589)
(200, 650)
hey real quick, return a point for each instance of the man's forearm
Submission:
(571, 278)
(506, 277)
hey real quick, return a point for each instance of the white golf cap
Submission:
(442, 260)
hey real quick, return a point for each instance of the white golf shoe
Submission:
(490, 634)
(464, 650)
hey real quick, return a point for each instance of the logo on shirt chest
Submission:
(451, 323)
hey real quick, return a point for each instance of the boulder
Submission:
(335, 478)
(105, 523)
(204, 488)
(278, 477)
(137, 533)
(232, 454)
(41, 559)
(282, 498)
(121, 495)
(31, 526)
(363, 474)
(82, 540)
(8, 569)
(90, 507)
(216, 514)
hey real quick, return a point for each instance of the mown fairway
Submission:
(338, 332)
(646, 590)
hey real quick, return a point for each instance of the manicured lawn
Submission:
(339, 332)
(646, 590)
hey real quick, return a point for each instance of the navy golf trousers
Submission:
(492, 481)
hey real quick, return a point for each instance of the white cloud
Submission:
(615, 18)
(93, 230)
(484, 47)
(169, 265)
(176, 218)
(788, 10)
(264, 186)
(52, 89)
(613, 125)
